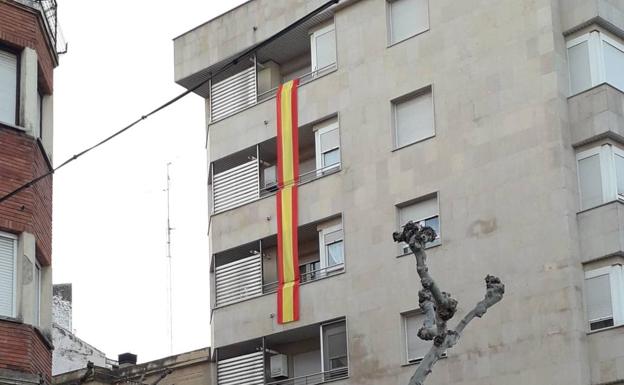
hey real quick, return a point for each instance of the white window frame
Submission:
(314, 35)
(319, 130)
(406, 356)
(607, 153)
(14, 120)
(14, 294)
(390, 29)
(322, 335)
(421, 221)
(616, 281)
(595, 46)
(325, 268)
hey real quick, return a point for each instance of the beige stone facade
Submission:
(502, 164)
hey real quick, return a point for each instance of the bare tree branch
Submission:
(437, 305)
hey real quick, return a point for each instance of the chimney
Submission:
(127, 359)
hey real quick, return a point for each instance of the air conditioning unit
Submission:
(270, 178)
(279, 366)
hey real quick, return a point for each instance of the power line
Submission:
(233, 62)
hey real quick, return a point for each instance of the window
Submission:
(327, 141)
(407, 18)
(8, 87)
(334, 349)
(323, 48)
(331, 248)
(600, 175)
(595, 58)
(415, 348)
(413, 118)
(426, 213)
(604, 293)
(39, 116)
(8, 251)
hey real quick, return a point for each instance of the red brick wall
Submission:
(22, 27)
(23, 349)
(21, 160)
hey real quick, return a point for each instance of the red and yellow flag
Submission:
(287, 178)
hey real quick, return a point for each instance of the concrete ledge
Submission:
(601, 231)
(578, 14)
(596, 114)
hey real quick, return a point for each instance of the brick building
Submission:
(28, 56)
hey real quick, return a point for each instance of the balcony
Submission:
(48, 9)
(305, 52)
(250, 174)
(308, 355)
(250, 270)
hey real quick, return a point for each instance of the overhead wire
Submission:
(227, 66)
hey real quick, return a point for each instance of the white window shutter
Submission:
(8, 87)
(590, 180)
(414, 119)
(416, 348)
(418, 211)
(579, 66)
(7, 276)
(407, 18)
(614, 63)
(599, 304)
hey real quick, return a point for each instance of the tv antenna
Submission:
(169, 270)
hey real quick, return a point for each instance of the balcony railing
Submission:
(310, 276)
(312, 379)
(241, 184)
(240, 91)
(48, 9)
(303, 79)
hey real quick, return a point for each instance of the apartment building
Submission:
(498, 123)
(28, 55)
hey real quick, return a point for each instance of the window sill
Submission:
(11, 319)
(426, 248)
(417, 362)
(605, 329)
(392, 44)
(13, 127)
(413, 143)
(593, 88)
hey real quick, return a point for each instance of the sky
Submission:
(110, 208)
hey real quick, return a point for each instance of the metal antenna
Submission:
(169, 270)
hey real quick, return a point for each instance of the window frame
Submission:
(616, 281)
(406, 355)
(323, 255)
(608, 174)
(314, 35)
(323, 347)
(14, 238)
(395, 121)
(404, 248)
(38, 288)
(18, 64)
(596, 40)
(390, 29)
(319, 130)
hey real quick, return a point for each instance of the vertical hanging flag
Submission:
(287, 178)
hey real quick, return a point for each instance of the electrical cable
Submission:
(233, 62)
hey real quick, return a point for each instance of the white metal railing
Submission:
(233, 94)
(247, 369)
(303, 79)
(312, 379)
(238, 280)
(236, 186)
(309, 276)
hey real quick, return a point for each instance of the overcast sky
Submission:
(109, 236)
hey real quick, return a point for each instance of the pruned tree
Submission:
(438, 306)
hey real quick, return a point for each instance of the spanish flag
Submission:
(288, 174)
